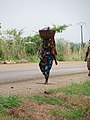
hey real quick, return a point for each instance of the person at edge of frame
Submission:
(87, 57)
(47, 55)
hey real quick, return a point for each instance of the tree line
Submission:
(13, 46)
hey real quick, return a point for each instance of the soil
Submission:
(37, 86)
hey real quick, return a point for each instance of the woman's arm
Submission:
(86, 56)
(55, 59)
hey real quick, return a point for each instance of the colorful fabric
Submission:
(46, 64)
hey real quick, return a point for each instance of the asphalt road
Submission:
(29, 71)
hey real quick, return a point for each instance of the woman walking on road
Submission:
(47, 55)
(47, 52)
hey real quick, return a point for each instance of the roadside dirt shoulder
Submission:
(37, 86)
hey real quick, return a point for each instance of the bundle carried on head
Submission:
(46, 33)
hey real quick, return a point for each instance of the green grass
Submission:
(78, 88)
(8, 102)
(71, 114)
(75, 88)
(50, 100)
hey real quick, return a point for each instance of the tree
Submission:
(59, 28)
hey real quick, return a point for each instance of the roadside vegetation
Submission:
(68, 103)
(17, 48)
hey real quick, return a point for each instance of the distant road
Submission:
(29, 71)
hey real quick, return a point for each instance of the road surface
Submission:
(30, 71)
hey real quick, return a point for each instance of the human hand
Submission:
(85, 59)
(56, 62)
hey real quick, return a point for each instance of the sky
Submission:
(33, 15)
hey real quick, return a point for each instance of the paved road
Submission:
(18, 72)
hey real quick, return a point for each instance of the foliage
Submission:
(33, 59)
(13, 46)
(68, 51)
(10, 101)
(59, 28)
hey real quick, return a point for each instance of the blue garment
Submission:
(45, 66)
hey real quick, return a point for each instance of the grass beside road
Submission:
(75, 88)
(69, 103)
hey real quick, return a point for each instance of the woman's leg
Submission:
(47, 70)
(46, 78)
(42, 67)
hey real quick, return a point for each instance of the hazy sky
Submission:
(37, 14)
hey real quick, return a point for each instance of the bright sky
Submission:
(33, 15)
